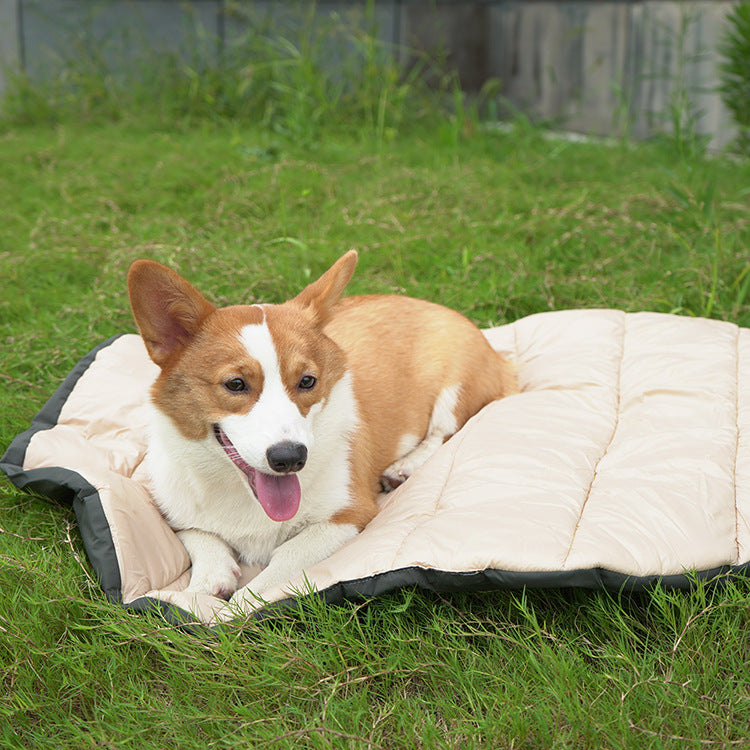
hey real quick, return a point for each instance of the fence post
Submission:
(11, 51)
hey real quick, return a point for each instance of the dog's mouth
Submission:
(278, 494)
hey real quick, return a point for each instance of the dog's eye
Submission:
(307, 382)
(236, 385)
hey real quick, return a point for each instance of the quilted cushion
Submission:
(625, 460)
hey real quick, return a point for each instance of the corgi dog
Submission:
(274, 427)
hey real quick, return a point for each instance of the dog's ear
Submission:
(321, 296)
(167, 309)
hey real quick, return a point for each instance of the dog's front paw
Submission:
(218, 581)
(394, 476)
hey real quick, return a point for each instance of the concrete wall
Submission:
(612, 67)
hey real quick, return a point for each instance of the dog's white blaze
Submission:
(274, 417)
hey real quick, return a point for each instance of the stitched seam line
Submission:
(448, 473)
(438, 500)
(604, 452)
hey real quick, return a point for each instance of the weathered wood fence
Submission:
(608, 67)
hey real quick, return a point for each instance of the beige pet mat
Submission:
(625, 460)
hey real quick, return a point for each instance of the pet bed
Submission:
(625, 460)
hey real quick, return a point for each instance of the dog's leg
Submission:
(215, 570)
(442, 425)
(290, 559)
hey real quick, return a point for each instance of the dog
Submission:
(274, 427)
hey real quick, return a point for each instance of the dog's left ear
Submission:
(321, 296)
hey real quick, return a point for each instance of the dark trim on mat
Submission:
(66, 486)
(172, 614)
(493, 580)
(447, 582)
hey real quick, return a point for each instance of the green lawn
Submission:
(495, 224)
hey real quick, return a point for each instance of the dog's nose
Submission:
(286, 457)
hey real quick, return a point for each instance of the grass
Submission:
(498, 224)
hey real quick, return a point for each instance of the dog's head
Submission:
(248, 378)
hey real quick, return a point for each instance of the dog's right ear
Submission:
(167, 309)
(321, 296)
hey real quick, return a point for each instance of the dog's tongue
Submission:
(279, 495)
